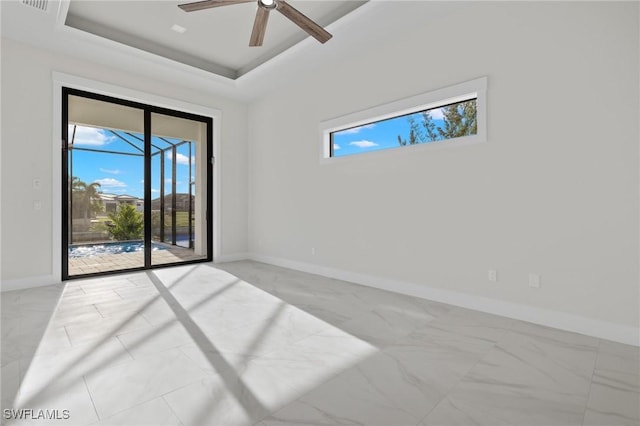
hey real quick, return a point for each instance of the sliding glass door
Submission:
(136, 186)
(178, 207)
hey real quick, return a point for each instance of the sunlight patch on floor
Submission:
(186, 334)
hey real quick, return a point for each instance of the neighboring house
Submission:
(182, 202)
(112, 201)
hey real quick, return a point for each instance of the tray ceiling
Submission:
(215, 40)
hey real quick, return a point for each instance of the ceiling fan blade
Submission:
(303, 22)
(259, 27)
(208, 4)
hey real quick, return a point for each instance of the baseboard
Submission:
(30, 282)
(555, 319)
(560, 320)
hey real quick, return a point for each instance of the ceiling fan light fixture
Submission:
(267, 4)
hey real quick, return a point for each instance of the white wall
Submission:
(554, 191)
(26, 153)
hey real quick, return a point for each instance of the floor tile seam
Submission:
(206, 375)
(329, 328)
(161, 351)
(586, 403)
(277, 350)
(493, 343)
(381, 390)
(94, 305)
(95, 308)
(402, 334)
(544, 371)
(82, 375)
(290, 343)
(86, 300)
(66, 333)
(617, 415)
(450, 329)
(110, 362)
(459, 381)
(115, 315)
(383, 343)
(134, 406)
(626, 357)
(125, 348)
(316, 386)
(602, 374)
(180, 348)
(166, 403)
(551, 341)
(50, 314)
(93, 404)
(93, 340)
(603, 371)
(159, 327)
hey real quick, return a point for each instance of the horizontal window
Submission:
(456, 113)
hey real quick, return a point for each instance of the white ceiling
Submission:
(219, 61)
(216, 40)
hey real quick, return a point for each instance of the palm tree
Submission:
(86, 198)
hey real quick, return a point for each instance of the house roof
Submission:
(118, 197)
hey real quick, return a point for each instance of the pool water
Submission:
(87, 250)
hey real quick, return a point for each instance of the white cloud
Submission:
(336, 147)
(111, 172)
(155, 190)
(89, 136)
(181, 158)
(436, 114)
(363, 144)
(111, 183)
(355, 130)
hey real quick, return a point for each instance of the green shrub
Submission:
(127, 223)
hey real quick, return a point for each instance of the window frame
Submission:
(476, 88)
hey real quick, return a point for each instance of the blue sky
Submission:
(377, 136)
(124, 174)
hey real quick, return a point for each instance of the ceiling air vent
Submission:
(37, 4)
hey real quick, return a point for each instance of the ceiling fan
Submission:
(262, 16)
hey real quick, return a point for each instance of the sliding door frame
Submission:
(148, 110)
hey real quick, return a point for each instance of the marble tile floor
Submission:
(245, 343)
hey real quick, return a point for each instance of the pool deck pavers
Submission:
(122, 261)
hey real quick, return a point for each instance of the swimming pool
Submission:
(88, 250)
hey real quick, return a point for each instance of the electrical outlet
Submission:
(37, 183)
(313, 251)
(37, 205)
(492, 275)
(534, 280)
